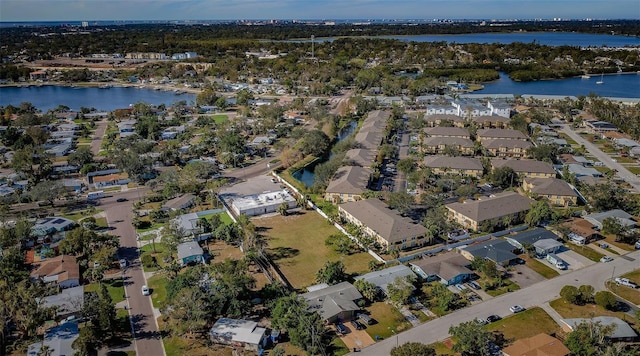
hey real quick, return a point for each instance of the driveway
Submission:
(96, 141)
(356, 339)
(574, 260)
(525, 276)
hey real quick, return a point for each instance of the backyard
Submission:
(296, 245)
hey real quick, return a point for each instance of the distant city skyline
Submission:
(104, 10)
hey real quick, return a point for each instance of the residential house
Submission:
(348, 184)
(433, 120)
(68, 302)
(583, 230)
(466, 166)
(542, 240)
(499, 108)
(622, 217)
(382, 278)
(262, 203)
(441, 131)
(386, 226)
(442, 145)
(180, 202)
(52, 228)
(498, 251)
(449, 268)
(599, 126)
(471, 214)
(578, 170)
(190, 252)
(527, 168)
(492, 121)
(507, 134)
(62, 270)
(238, 333)
(360, 157)
(58, 340)
(438, 109)
(538, 345)
(38, 75)
(334, 303)
(470, 108)
(621, 330)
(557, 191)
(502, 147)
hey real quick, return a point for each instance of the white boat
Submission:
(601, 81)
(586, 76)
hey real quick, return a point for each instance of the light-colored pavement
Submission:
(96, 141)
(574, 260)
(524, 276)
(536, 295)
(147, 339)
(623, 172)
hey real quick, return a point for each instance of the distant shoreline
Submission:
(104, 85)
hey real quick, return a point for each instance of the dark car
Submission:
(341, 328)
(120, 200)
(356, 324)
(493, 318)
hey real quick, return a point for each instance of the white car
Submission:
(606, 259)
(516, 309)
(145, 290)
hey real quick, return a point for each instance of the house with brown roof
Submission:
(441, 131)
(62, 270)
(471, 214)
(466, 166)
(557, 191)
(440, 119)
(502, 147)
(440, 145)
(385, 225)
(359, 157)
(347, 184)
(449, 268)
(538, 345)
(582, 231)
(507, 134)
(527, 168)
(491, 121)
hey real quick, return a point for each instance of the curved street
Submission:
(535, 295)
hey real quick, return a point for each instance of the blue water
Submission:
(49, 97)
(614, 86)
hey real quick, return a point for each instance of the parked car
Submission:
(516, 309)
(625, 282)
(120, 200)
(341, 328)
(493, 318)
(481, 321)
(365, 318)
(460, 287)
(123, 263)
(606, 259)
(145, 290)
(356, 324)
(474, 285)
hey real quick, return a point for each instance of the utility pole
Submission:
(312, 47)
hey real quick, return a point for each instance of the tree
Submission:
(315, 143)
(107, 312)
(586, 293)
(413, 349)
(471, 340)
(588, 338)
(539, 212)
(400, 290)
(87, 342)
(332, 272)
(401, 201)
(367, 289)
(406, 165)
(606, 300)
(504, 177)
(570, 294)
(283, 209)
(81, 156)
(305, 327)
(340, 243)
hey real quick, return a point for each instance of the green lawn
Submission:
(158, 286)
(525, 324)
(508, 286)
(84, 140)
(586, 252)
(151, 227)
(541, 268)
(630, 294)
(388, 320)
(296, 245)
(568, 310)
(161, 251)
(220, 118)
(114, 287)
(224, 217)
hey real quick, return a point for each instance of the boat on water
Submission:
(601, 81)
(585, 76)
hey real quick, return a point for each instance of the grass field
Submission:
(224, 217)
(525, 324)
(296, 245)
(220, 118)
(114, 287)
(630, 294)
(388, 320)
(541, 268)
(158, 286)
(586, 252)
(568, 310)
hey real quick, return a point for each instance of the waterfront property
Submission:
(386, 226)
(471, 214)
(348, 184)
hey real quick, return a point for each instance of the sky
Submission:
(96, 10)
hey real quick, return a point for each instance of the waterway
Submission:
(48, 97)
(306, 175)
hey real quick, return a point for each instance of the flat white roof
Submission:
(245, 331)
(263, 199)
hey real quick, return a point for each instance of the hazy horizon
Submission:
(224, 10)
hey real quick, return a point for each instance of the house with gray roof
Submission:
(58, 339)
(441, 131)
(449, 268)
(528, 168)
(621, 330)
(68, 302)
(334, 303)
(505, 147)
(621, 216)
(348, 184)
(491, 121)
(180, 202)
(543, 240)
(238, 332)
(557, 191)
(508, 134)
(471, 214)
(498, 251)
(190, 252)
(581, 171)
(384, 277)
(499, 108)
(385, 225)
(466, 166)
(360, 157)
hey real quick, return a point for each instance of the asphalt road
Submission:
(147, 339)
(537, 294)
(623, 172)
(96, 142)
